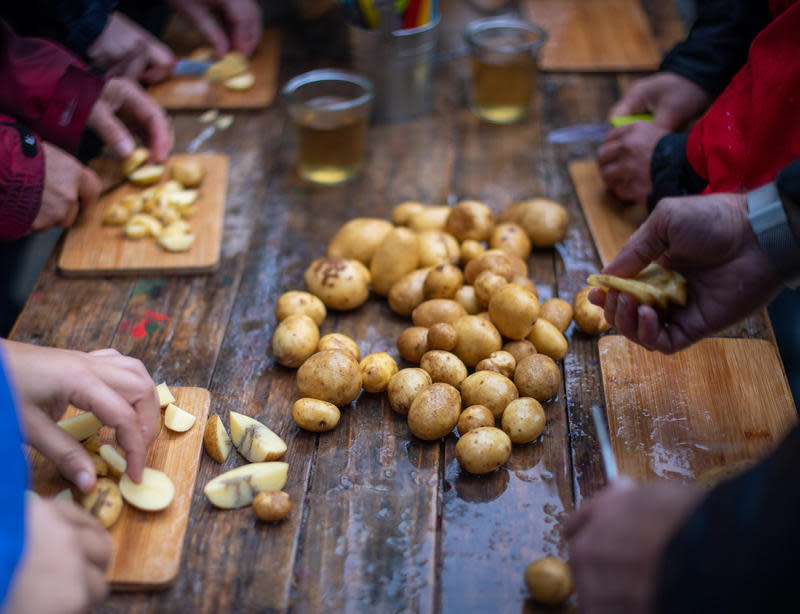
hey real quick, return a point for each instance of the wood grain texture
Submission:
(677, 416)
(91, 249)
(594, 35)
(146, 547)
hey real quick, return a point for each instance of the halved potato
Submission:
(238, 487)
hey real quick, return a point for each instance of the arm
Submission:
(21, 178)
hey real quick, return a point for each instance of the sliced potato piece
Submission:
(92, 443)
(115, 461)
(134, 160)
(65, 495)
(241, 82)
(654, 285)
(177, 419)
(255, 441)
(176, 244)
(164, 395)
(116, 215)
(181, 198)
(238, 487)
(146, 175)
(142, 225)
(224, 122)
(100, 466)
(154, 493)
(208, 116)
(189, 173)
(104, 502)
(178, 228)
(216, 440)
(230, 65)
(81, 426)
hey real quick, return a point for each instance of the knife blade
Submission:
(191, 68)
(595, 132)
(606, 451)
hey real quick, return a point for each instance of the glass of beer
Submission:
(330, 110)
(503, 53)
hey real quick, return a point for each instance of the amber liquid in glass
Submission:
(502, 93)
(330, 143)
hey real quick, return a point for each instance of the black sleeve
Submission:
(670, 171)
(718, 42)
(740, 550)
(788, 184)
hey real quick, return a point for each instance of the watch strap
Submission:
(769, 222)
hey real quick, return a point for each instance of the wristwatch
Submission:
(769, 222)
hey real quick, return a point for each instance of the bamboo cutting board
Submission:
(594, 35)
(718, 402)
(147, 546)
(91, 249)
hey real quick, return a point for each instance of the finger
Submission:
(630, 104)
(160, 62)
(611, 306)
(96, 545)
(597, 296)
(643, 247)
(145, 113)
(105, 352)
(70, 214)
(650, 328)
(134, 65)
(208, 26)
(96, 584)
(614, 174)
(608, 152)
(627, 316)
(112, 131)
(244, 24)
(88, 187)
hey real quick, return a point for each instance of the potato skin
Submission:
(482, 450)
(511, 238)
(404, 387)
(104, 502)
(330, 375)
(545, 221)
(436, 310)
(272, 506)
(537, 376)
(189, 173)
(407, 293)
(558, 312)
(443, 281)
(470, 219)
(473, 417)
(339, 341)
(501, 362)
(513, 310)
(523, 420)
(437, 247)
(494, 260)
(413, 343)
(442, 336)
(315, 415)
(477, 339)
(395, 256)
(549, 580)
(547, 339)
(294, 340)
(468, 299)
(376, 371)
(432, 217)
(470, 249)
(402, 213)
(358, 239)
(434, 412)
(297, 301)
(589, 317)
(486, 284)
(489, 389)
(339, 282)
(444, 367)
(520, 349)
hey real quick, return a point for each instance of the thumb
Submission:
(644, 246)
(111, 130)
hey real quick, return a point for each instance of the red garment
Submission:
(753, 128)
(21, 178)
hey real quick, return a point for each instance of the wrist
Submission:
(771, 226)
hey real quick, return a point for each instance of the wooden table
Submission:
(382, 522)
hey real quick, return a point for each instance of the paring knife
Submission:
(191, 68)
(594, 132)
(606, 451)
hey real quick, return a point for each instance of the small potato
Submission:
(189, 173)
(376, 371)
(523, 420)
(358, 239)
(486, 284)
(339, 282)
(104, 502)
(525, 282)
(511, 238)
(443, 281)
(549, 580)
(477, 339)
(407, 293)
(430, 218)
(558, 312)
(589, 317)
(470, 219)
(395, 256)
(331, 376)
(537, 376)
(545, 221)
(434, 412)
(437, 247)
(404, 387)
(548, 339)
(442, 336)
(473, 417)
(339, 341)
(272, 506)
(482, 450)
(494, 260)
(519, 349)
(444, 367)
(500, 362)
(437, 310)
(413, 343)
(134, 160)
(466, 297)
(489, 389)
(100, 466)
(402, 213)
(294, 340)
(297, 301)
(315, 415)
(513, 310)
(470, 249)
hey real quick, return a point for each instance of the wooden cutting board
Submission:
(91, 249)
(197, 93)
(594, 35)
(718, 402)
(147, 546)
(610, 220)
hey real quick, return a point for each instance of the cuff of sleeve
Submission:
(671, 172)
(21, 180)
(771, 226)
(85, 31)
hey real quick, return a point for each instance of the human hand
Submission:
(124, 104)
(64, 562)
(116, 388)
(227, 24)
(709, 240)
(617, 539)
(670, 97)
(68, 185)
(624, 159)
(125, 49)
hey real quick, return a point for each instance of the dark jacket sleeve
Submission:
(740, 550)
(21, 178)
(718, 42)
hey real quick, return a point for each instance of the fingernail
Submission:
(84, 481)
(125, 146)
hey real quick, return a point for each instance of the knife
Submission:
(606, 451)
(191, 68)
(594, 132)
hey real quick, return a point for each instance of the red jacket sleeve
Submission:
(21, 178)
(46, 87)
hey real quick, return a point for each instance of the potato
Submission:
(413, 343)
(376, 371)
(486, 284)
(297, 301)
(254, 440)
(466, 297)
(489, 389)
(523, 420)
(115, 462)
(340, 282)
(146, 175)
(404, 387)
(134, 160)
(92, 443)
(437, 247)
(240, 83)
(494, 260)
(407, 292)
(443, 281)
(434, 412)
(104, 502)
(442, 336)
(272, 506)
(513, 310)
(154, 493)
(437, 310)
(339, 341)
(358, 239)
(216, 441)
(549, 580)
(589, 317)
(189, 172)
(470, 249)
(482, 450)
(178, 420)
(500, 362)
(519, 349)
(473, 417)
(229, 65)
(558, 312)
(525, 282)
(477, 339)
(545, 221)
(175, 244)
(654, 285)
(402, 213)
(470, 219)
(444, 367)
(511, 238)
(548, 339)
(81, 426)
(330, 375)
(430, 218)
(537, 376)
(395, 256)
(315, 415)
(100, 465)
(294, 340)
(238, 487)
